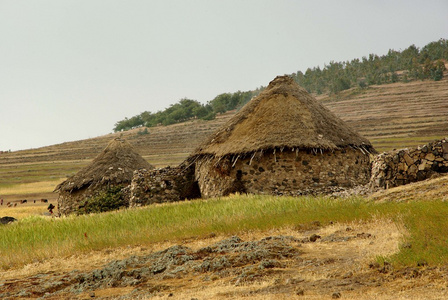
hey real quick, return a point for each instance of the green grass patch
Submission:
(43, 238)
(427, 223)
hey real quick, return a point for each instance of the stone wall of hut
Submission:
(390, 169)
(69, 203)
(73, 202)
(288, 172)
(163, 185)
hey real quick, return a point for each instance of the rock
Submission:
(430, 157)
(413, 170)
(409, 161)
(445, 147)
(7, 220)
(409, 165)
(402, 167)
(270, 263)
(422, 165)
(374, 265)
(300, 292)
(336, 295)
(314, 237)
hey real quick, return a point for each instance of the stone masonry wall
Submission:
(163, 185)
(69, 203)
(284, 173)
(409, 165)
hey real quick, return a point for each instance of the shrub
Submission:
(110, 199)
(143, 131)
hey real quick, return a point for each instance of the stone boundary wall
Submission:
(399, 167)
(163, 185)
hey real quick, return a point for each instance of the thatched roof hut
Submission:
(114, 166)
(284, 117)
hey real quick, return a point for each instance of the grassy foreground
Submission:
(39, 238)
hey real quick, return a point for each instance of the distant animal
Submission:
(23, 201)
(15, 204)
(44, 200)
(7, 220)
(50, 208)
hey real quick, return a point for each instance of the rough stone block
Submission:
(409, 161)
(402, 167)
(413, 170)
(445, 148)
(422, 166)
(430, 156)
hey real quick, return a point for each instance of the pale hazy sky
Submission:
(70, 69)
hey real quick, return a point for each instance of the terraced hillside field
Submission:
(396, 115)
(391, 116)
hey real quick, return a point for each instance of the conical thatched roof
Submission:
(114, 166)
(283, 115)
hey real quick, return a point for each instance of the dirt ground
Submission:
(337, 261)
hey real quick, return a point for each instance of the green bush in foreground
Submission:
(41, 238)
(108, 200)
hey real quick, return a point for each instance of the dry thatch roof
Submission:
(114, 166)
(283, 115)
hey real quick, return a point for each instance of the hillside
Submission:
(391, 116)
(396, 115)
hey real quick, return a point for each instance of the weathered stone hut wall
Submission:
(163, 185)
(74, 201)
(288, 172)
(69, 203)
(404, 166)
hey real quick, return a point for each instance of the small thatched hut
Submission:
(282, 142)
(111, 168)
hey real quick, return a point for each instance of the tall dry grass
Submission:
(40, 238)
